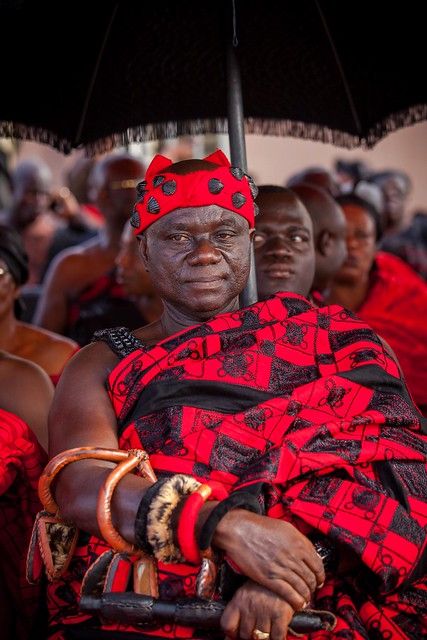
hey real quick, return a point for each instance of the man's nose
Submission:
(204, 253)
(278, 246)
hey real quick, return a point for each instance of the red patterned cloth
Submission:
(396, 308)
(304, 406)
(21, 463)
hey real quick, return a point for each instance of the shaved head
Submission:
(329, 225)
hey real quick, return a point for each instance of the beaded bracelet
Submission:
(186, 530)
(237, 500)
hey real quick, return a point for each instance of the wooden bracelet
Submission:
(136, 458)
(56, 464)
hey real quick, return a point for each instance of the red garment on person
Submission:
(21, 462)
(304, 406)
(396, 308)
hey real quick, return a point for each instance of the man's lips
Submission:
(279, 272)
(205, 280)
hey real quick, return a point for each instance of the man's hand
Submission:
(273, 553)
(255, 607)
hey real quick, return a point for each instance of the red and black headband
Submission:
(162, 192)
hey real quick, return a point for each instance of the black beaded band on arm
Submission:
(237, 500)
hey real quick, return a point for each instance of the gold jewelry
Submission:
(257, 634)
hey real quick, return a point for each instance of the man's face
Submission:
(32, 197)
(131, 273)
(361, 245)
(284, 251)
(198, 259)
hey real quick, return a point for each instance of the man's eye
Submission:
(179, 237)
(224, 235)
(259, 238)
(299, 237)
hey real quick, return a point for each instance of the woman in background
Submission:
(47, 349)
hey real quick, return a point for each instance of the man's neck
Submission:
(173, 320)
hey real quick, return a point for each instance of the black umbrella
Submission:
(105, 74)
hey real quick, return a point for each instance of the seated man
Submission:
(81, 293)
(283, 241)
(134, 278)
(29, 214)
(296, 406)
(329, 229)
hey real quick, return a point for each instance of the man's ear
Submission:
(251, 234)
(324, 244)
(143, 250)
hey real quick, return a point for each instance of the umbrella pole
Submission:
(236, 135)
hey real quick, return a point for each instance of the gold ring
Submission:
(257, 634)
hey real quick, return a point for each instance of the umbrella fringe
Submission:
(35, 134)
(257, 126)
(319, 133)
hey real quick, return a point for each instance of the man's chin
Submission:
(206, 306)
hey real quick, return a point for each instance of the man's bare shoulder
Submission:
(72, 265)
(80, 253)
(92, 363)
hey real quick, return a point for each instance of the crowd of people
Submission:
(280, 449)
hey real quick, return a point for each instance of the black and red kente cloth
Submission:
(21, 462)
(304, 405)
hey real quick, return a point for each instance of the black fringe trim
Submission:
(34, 134)
(257, 126)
